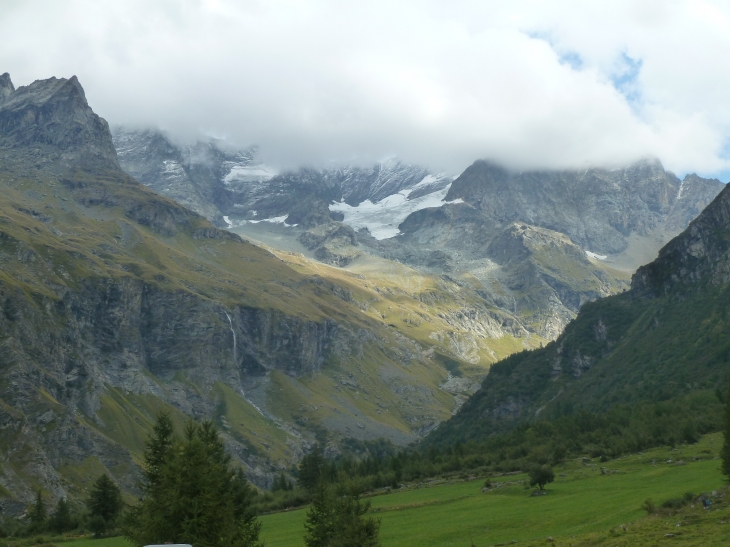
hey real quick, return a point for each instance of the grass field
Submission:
(582, 506)
(102, 542)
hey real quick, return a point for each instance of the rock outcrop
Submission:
(51, 122)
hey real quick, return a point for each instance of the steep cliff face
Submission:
(117, 303)
(6, 86)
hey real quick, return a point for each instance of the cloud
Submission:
(530, 84)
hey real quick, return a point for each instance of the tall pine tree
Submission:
(38, 512)
(337, 519)
(105, 500)
(725, 451)
(61, 520)
(191, 493)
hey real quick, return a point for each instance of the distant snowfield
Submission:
(273, 220)
(382, 218)
(249, 173)
(596, 256)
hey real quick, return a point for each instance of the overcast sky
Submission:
(530, 84)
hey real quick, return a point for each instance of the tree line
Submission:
(103, 509)
(192, 493)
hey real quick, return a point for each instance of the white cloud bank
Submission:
(531, 84)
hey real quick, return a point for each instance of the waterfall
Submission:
(233, 332)
(235, 364)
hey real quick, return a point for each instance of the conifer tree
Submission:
(725, 451)
(192, 494)
(38, 512)
(320, 523)
(60, 520)
(311, 470)
(105, 502)
(338, 519)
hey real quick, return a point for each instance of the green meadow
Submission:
(587, 500)
(101, 542)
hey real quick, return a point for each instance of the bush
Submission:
(649, 506)
(97, 524)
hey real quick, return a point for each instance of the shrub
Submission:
(649, 506)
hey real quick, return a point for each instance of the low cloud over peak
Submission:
(528, 85)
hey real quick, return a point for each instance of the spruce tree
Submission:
(38, 512)
(337, 519)
(320, 523)
(60, 520)
(311, 470)
(105, 501)
(192, 494)
(148, 521)
(725, 451)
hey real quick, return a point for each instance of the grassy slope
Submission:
(583, 503)
(398, 295)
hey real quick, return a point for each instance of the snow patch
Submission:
(249, 173)
(596, 256)
(272, 220)
(679, 193)
(382, 218)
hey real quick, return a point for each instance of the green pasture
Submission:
(582, 500)
(118, 541)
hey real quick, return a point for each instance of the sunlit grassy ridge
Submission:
(585, 505)
(423, 307)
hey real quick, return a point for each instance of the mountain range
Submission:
(138, 275)
(488, 224)
(664, 339)
(118, 303)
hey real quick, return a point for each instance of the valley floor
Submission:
(590, 504)
(586, 505)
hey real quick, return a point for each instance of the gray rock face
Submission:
(52, 122)
(192, 176)
(216, 182)
(6, 86)
(699, 255)
(141, 341)
(597, 209)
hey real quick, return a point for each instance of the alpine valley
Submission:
(335, 305)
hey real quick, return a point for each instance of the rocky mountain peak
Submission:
(599, 209)
(52, 119)
(698, 256)
(6, 86)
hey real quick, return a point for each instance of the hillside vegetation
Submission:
(590, 503)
